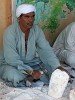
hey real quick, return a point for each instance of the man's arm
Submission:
(10, 52)
(46, 52)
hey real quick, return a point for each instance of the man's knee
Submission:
(70, 60)
(12, 74)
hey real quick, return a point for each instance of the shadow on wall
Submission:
(51, 37)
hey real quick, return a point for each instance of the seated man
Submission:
(64, 46)
(21, 41)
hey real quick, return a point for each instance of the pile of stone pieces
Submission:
(37, 92)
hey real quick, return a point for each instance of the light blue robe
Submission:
(18, 60)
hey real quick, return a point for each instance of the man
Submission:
(64, 45)
(26, 51)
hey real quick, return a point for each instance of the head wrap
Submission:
(24, 9)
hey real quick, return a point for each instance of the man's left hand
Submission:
(63, 69)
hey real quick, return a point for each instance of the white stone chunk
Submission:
(58, 83)
(72, 94)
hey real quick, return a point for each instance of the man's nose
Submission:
(31, 19)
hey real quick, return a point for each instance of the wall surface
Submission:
(5, 16)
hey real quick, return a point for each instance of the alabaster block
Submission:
(72, 94)
(58, 82)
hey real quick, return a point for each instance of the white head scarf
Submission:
(24, 9)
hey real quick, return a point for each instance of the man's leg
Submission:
(9, 73)
(47, 70)
(68, 57)
(47, 73)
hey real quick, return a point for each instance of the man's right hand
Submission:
(34, 73)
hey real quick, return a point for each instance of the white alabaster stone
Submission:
(58, 83)
(72, 94)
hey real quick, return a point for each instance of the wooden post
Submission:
(5, 17)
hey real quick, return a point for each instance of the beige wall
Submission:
(5, 16)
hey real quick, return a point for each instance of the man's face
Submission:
(26, 20)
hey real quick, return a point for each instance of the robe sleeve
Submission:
(70, 38)
(65, 42)
(46, 52)
(10, 52)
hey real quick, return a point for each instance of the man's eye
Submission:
(29, 16)
(33, 16)
(26, 16)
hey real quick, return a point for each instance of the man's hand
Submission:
(32, 77)
(62, 69)
(29, 72)
(34, 73)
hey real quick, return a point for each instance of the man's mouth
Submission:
(29, 24)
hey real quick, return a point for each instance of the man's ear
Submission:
(19, 18)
